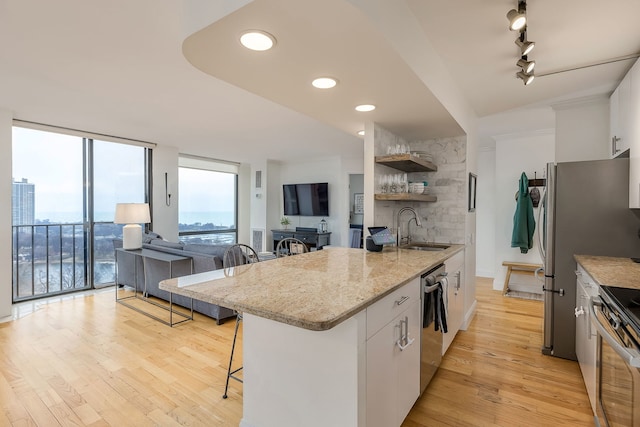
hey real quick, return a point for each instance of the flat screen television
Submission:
(306, 199)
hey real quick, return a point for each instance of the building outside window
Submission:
(22, 202)
(65, 188)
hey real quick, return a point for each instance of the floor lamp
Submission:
(132, 214)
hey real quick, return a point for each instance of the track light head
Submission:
(527, 66)
(517, 20)
(525, 46)
(526, 78)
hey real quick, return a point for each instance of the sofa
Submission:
(150, 271)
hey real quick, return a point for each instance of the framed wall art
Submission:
(358, 203)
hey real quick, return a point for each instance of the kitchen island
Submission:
(308, 320)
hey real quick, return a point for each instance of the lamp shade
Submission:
(132, 213)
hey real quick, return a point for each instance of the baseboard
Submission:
(469, 315)
(486, 273)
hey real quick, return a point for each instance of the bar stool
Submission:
(235, 255)
(290, 246)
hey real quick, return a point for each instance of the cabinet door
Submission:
(586, 338)
(408, 362)
(382, 393)
(634, 137)
(620, 117)
(614, 121)
(455, 298)
(393, 375)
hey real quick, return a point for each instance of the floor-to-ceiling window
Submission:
(64, 192)
(119, 176)
(207, 209)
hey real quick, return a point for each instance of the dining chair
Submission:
(290, 246)
(235, 255)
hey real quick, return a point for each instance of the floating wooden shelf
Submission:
(406, 163)
(406, 197)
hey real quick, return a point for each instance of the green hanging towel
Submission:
(523, 222)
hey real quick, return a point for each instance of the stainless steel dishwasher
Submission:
(431, 339)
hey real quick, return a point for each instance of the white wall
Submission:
(582, 129)
(165, 218)
(486, 213)
(330, 170)
(516, 154)
(6, 123)
(258, 205)
(274, 200)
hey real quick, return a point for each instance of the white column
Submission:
(6, 122)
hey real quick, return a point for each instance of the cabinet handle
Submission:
(402, 300)
(403, 347)
(404, 340)
(614, 145)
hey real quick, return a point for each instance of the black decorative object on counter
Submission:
(371, 246)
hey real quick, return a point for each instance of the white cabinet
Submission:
(393, 356)
(454, 267)
(619, 118)
(634, 136)
(586, 337)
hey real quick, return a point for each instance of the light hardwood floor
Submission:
(90, 361)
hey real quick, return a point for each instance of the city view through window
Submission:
(65, 189)
(207, 207)
(53, 221)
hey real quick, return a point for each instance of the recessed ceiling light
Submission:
(324, 82)
(365, 107)
(361, 132)
(257, 40)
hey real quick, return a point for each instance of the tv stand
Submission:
(309, 236)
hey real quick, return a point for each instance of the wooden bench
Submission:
(517, 268)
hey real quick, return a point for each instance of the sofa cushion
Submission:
(217, 250)
(166, 244)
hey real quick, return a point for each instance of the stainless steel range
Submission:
(616, 316)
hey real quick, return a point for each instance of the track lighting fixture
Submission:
(527, 66)
(525, 46)
(526, 78)
(518, 22)
(518, 18)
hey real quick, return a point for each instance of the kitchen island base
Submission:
(299, 377)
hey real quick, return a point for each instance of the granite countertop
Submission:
(316, 290)
(609, 271)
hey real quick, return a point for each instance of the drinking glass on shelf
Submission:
(403, 184)
(384, 183)
(393, 186)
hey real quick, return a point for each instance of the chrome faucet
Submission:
(398, 232)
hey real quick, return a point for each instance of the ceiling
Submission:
(173, 73)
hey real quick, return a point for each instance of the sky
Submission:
(53, 162)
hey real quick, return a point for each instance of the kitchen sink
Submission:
(422, 246)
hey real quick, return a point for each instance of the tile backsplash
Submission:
(442, 221)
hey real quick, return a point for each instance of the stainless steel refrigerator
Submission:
(585, 210)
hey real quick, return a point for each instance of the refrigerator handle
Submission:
(541, 247)
(537, 274)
